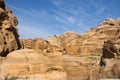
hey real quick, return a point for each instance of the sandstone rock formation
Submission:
(81, 54)
(92, 55)
(110, 60)
(9, 38)
(30, 64)
(37, 43)
(71, 43)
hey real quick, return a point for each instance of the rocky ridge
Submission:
(71, 43)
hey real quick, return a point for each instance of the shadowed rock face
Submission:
(2, 5)
(9, 37)
(110, 60)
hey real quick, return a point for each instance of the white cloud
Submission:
(31, 31)
(69, 16)
(101, 10)
(21, 10)
(64, 18)
(99, 6)
(71, 19)
(56, 3)
(34, 23)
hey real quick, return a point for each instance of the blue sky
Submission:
(43, 18)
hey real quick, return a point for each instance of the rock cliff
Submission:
(9, 37)
(110, 60)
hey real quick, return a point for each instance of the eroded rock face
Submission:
(37, 43)
(81, 54)
(30, 64)
(71, 43)
(9, 37)
(110, 60)
(69, 56)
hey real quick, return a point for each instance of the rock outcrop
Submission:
(9, 37)
(29, 64)
(110, 60)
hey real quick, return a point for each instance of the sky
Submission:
(44, 18)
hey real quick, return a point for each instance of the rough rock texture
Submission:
(37, 43)
(71, 43)
(81, 54)
(67, 57)
(92, 55)
(30, 64)
(9, 40)
(110, 60)
(67, 42)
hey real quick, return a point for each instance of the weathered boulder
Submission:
(31, 64)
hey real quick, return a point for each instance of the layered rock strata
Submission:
(71, 43)
(110, 60)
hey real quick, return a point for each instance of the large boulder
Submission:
(31, 64)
